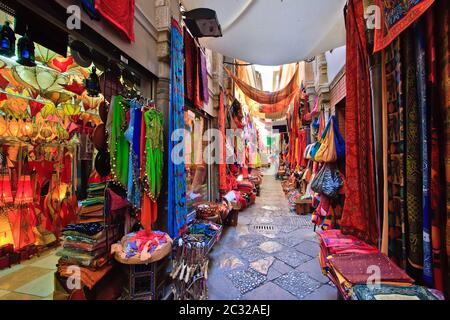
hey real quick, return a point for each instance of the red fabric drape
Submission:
(280, 106)
(265, 97)
(120, 14)
(190, 55)
(403, 12)
(359, 216)
(223, 186)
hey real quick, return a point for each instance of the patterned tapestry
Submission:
(359, 216)
(413, 160)
(395, 156)
(396, 16)
(422, 96)
(177, 172)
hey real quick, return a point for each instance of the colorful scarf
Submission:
(420, 45)
(359, 216)
(413, 164)
(177, 172)
(396, 16)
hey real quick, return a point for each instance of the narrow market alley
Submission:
(272, 250)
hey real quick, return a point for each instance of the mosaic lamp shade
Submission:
(5, 190)
(24, 194)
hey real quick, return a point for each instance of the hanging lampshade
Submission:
(24, 194)
(25, 51)
(92, 83)
(7, 40)
(5, 189)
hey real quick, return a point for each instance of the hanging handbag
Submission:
(329, 152)
(318, 155)
(317, 182)
(332, 182)
(338, 140)
(307, 154)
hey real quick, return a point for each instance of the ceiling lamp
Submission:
(202, 22)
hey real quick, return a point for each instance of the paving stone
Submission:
(292, 257)
(263, 265)
(312, 268)
(252, 254)
(290, 241)
(308, 247)
(269, 291)
(271, 246)
(273, 274)
(252, 239)
(221, 288)
(297, 283)
(325, 292)
(281, 267)
(230, 261)
(246, 280)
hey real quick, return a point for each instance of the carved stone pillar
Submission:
(322, 85)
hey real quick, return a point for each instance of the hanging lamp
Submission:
(25, 51)
(92, 83)
(7, 40)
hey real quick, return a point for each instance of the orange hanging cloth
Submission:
(265, 97)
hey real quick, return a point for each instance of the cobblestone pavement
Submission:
(271, 255)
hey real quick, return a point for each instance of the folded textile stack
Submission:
(91, 209)
(388, 292)
(348, 270)
(351, 265)
(202, 231)
(142, 247)
(86, 245)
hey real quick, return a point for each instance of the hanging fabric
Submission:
(396, 16)
(118, 145)
(359, 215)
(420, 45)
(223, 187)
(133, 135)
(265, 97)
(395, 154)
(120, 14)
(413, 163)
(437, 182)
(442, 42)
(177, 172)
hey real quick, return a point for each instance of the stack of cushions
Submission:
(352, 265)
(85, 245)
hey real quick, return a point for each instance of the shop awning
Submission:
(275, 32)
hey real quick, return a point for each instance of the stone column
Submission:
(322, 85)
(310, 90)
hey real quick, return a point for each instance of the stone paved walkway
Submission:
(271, 255)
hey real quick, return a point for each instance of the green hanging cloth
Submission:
(154, 148)
(119, 147)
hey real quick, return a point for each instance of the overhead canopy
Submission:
(274, 32)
